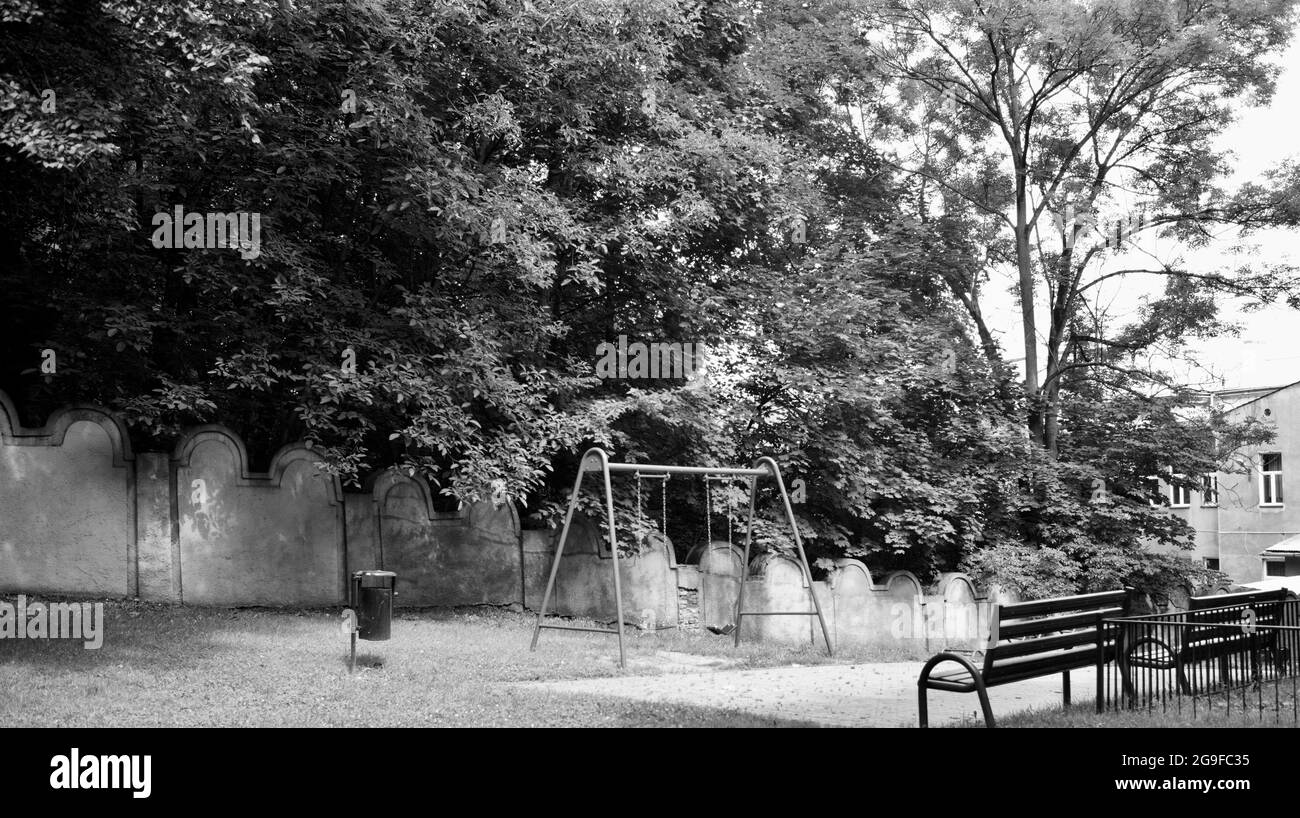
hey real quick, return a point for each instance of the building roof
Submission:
(1291, 545)
(1233, 399)
(1292, 584)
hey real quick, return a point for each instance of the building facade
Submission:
(1244, 524)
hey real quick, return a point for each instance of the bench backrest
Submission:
(1222, 615)
(1046, 636)
(1244, 598)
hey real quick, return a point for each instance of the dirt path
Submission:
(869, 695)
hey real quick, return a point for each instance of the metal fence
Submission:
(1241, 662)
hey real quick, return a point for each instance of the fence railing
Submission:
(1239, 661)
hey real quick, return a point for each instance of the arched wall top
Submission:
(761, 565)
(845, 566)
(381, 483)
(697, 554)
(663, 543)
(191, 438)
(285, 457)
(950, 578)
(55, 430)
(900, 578)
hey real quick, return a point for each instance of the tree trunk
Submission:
(1023, 263)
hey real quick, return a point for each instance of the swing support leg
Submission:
(770, 467)
(618, 582)
(559, 553)
(744, 564)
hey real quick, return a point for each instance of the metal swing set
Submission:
(597, 460)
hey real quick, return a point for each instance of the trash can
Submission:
(372, 600)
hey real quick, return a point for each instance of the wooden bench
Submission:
(1214, 633)
(1027, 640)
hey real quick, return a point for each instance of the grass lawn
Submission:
(1083, 714)
(181, 667)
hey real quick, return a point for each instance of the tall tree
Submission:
(1098, 116)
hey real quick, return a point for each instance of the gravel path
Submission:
(868, 695)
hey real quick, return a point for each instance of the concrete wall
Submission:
(776, 582)
(469, 557)
(83, 515)
(67, 510)
(584, 585)
(858, 610)
(719, 566)
(256, 539)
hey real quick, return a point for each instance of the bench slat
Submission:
(1030, 667)
(1071, 604)
(1069, 622)
(1198, 603)
(1046, 644)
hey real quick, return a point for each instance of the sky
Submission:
(1267, 351)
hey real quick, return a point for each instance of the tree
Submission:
(916, 468)
(1070, 112)
(459, 203)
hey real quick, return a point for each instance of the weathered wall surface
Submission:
(81, 514)
(469, 557)
(256, 539)
(898, 610)
(719, 568)
(67, 510)
(777, 583)
(584, 585)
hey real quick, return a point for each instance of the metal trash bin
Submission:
(372, 600)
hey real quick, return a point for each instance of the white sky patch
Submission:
(1267, 352)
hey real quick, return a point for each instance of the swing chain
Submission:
(663, 502)
(708, 512)
(663, 510)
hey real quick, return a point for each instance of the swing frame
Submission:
(597, 460)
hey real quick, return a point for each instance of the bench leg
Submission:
(1065, 687)
(922, 708)
(984, 703)
(1126, 678)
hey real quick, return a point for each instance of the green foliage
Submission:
(467, 197)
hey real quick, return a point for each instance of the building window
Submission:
(1179, 496)
(1209, 489)
(1212, 563)
(1270, 479)
(1275, 568)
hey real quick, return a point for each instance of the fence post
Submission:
(1101, 663)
